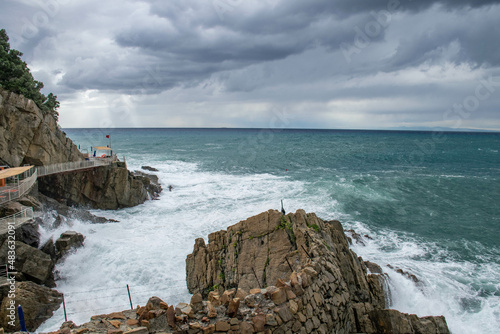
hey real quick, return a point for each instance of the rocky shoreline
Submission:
(271, 273)
(30, 137)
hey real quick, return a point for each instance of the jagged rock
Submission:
(66, 242)
(392, 321)
(373, 267)
(151, 183)
(232, 308)
(329, 285)
(31, 262)
(26, 233)
(65, 212)
(31, 201)
(38, 302)
(11, 208)
(405, 273)
(49, 248)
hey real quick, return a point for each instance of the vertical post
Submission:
(129, 298)
(21, 318)
(64, 307)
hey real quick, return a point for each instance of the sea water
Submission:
(425, 202)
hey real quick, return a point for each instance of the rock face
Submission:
(27, 136)
(108, 187)
(151, 183)
(320, 283)
(31, 263)
(38, 302)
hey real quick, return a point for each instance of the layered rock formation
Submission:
(325, 284)
(107, 187)
(27, 136)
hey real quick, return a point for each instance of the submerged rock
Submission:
(149, 168)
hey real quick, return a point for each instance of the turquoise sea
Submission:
(429, 202)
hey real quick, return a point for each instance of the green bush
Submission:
(16, 77)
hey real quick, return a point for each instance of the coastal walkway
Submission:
(21, 180)
(14, 221)
(18, 181)
(73, 166)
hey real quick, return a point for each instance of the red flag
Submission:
(107, 136)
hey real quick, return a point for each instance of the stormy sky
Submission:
(352, 64)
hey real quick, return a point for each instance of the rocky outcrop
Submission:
(31, 263)
(309, 257)
(38, 302)
(66, 243)
(27, 136)
(108, 187)
(151, 183)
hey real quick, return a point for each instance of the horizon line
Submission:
(402, 129)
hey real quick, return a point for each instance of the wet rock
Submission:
(373, 267)
(34, 264)
(149, 168)
(38, 302)
(67, 242)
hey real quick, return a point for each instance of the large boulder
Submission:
(31, 263)
(38, 302)
(151, 183)
(67, 242)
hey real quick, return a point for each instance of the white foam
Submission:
(148, 247)
(446, 285)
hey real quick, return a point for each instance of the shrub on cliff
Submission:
(16, 77)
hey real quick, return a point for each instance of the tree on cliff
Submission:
(16, 77)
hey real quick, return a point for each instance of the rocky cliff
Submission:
(305, 266)
(27, 136)
(107, 187)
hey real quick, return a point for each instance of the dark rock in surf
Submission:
(149, 168)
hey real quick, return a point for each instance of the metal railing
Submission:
(19, 189)
(16, 219)
(72, 166)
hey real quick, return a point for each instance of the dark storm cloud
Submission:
(306, 52)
